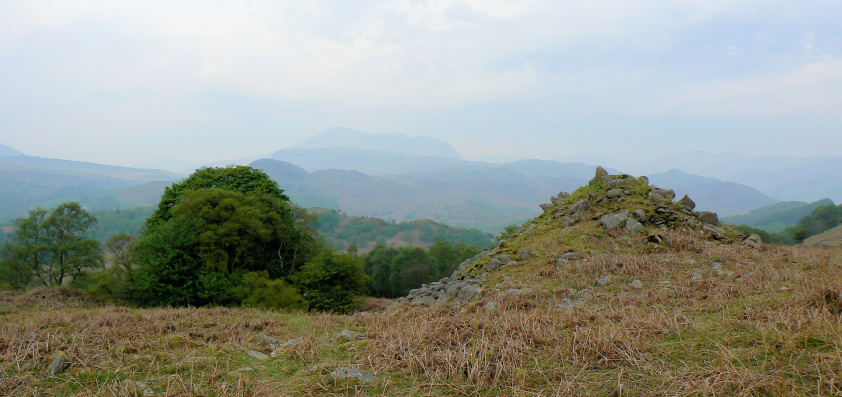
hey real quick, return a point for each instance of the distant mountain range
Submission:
(7, 151)
(393, 176)
(776, 217)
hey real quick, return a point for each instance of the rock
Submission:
(661, 194)
(59, 363)
(497, 262)
(553, 200)
(578, 207)
(613, 194)
(690, 261)
(614, 220)
(570, 256)
(561, 261)
(687, 203)
(423, 300)
(563, 195)
(708, 217)
(601, 174)
(568, 221)
(584, 295)
(346, 335)
(270, 341)
(636, 284)
(346, 372)
(696, 276)
(644, 180)
(753, 241)
(655, 238)
(545, 206)
(468, 293)
(524, 255)
(567, 303)
(634, 226)
(491, 307)
(258, 355)
(285, 346)
(640, 215)
(604, 280)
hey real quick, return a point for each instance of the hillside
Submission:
(341, 231)
(34, 181)
(776, 217)
(724, 198)
(830, 238)
(585, 299)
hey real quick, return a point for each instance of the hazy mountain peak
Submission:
(8, 151)
(396, 143)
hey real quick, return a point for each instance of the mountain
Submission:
(8, 151)
(830, 238)
(371, 162)
(487, 198)
(725, 198)
(34, 181)
(776, 217)
(394, 143)
(785, 177)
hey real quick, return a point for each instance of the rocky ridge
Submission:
(619, 205)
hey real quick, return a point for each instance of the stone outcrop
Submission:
(620, 203)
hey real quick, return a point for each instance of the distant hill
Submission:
(8, 151)
(371, 162)
(776, 217)
(34, 181)
(724, 198)
(392, 143)
(487, 198)
(341, 231)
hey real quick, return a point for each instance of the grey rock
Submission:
(568, 221)
(604, 280)
(561, 261)
(753, 241)
(524, 255)
(696, 276)
(423, 300)
(578, 207)
(584, 295)
(644, 180)
(553, 200)
(636, 284)
(690, 261)
(59, 363)
(708, 217)
(567, 303)
(285, 346)
(562, 195)
(633, 226)
(491, 307)
(258, 355)
(497, 262)
(469, 293)
(687, 203)
(346, 372)
(570, 256)
(716, 265)
(661, 194)
(546, 206)
(640, 215)
(614, 220)
(346, 335)
(613, 194)
(601, 174)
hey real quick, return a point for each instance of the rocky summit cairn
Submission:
(614, 204)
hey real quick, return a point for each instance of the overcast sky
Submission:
(125, 82)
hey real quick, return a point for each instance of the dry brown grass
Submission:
(768, 321)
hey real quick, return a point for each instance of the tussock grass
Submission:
(710, 319)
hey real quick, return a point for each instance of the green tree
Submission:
(119, 249)
(333, 282)
(241, 179)
(410, 269)
(51, 247)
(378, 265)
(213, 236)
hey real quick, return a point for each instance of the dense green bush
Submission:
(333, 282)
(271, 294)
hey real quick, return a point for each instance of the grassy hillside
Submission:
(829, 238)
(776, 217)
(341, 231)
(683, 309)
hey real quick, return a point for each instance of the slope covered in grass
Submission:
(676, 309)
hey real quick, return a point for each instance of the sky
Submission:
(129, 83)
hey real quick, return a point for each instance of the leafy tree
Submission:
(241, 179)
(333, 282)
(119, 248)
(212, 237)
(51, 246)
(378, 265)
(266, 293)
(410, 269)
